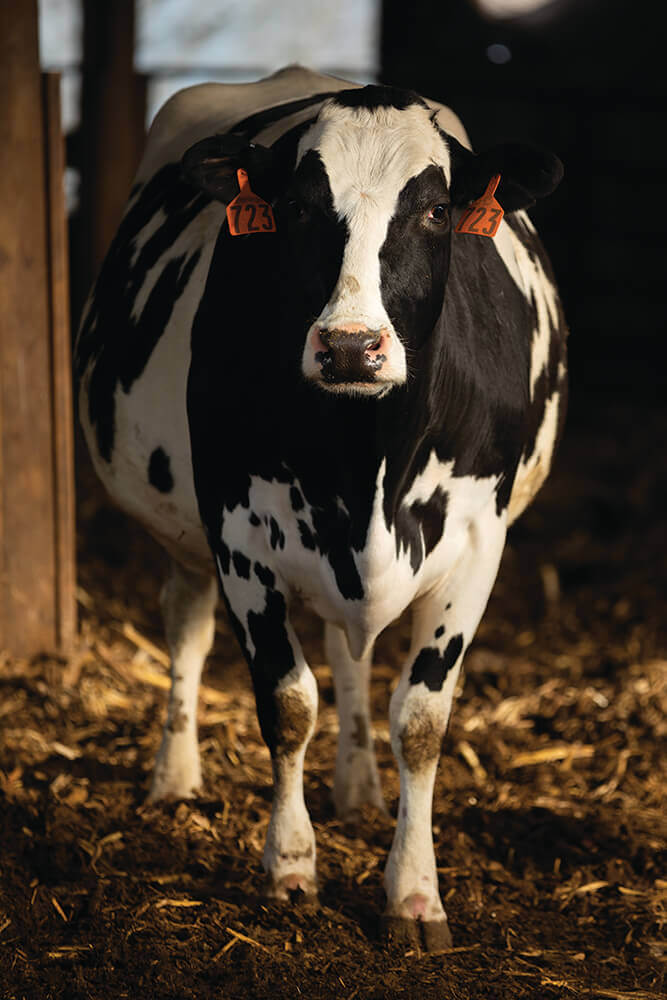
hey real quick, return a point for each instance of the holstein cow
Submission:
(349, 401)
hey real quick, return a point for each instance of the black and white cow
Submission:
(352, 408)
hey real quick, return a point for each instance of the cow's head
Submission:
(366, 207)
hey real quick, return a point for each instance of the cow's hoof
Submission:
(426, 935)
(293, 888)
(177, 772)
(167, 790)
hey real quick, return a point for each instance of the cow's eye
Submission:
(438, 215)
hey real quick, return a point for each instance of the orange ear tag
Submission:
(248, 213)
(484, 215)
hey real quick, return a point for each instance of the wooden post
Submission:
(61, 366)
(36, 550)
(27, 574)
(113, 126)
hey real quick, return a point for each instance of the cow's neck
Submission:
(346, 440)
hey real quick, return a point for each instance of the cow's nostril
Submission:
(320, 341)
(347, 355)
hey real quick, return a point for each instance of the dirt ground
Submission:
(549, 812)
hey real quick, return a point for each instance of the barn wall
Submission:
(36, 482)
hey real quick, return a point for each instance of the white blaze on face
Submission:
(369, 157)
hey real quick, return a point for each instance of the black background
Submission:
(586, 78)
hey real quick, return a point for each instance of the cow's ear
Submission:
(211, 165)
(526, 173)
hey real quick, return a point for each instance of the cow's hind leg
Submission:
(188, 605)
(444, 623)
(356, 780)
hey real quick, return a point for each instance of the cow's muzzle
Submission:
(350, 354)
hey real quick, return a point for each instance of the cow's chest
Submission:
(362, 579)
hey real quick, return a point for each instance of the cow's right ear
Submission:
(211, 165)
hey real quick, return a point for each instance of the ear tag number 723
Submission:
(248, 213)
(483, 216)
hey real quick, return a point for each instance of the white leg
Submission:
(356, 781)
(444, 624)
(188, 605)
(286, 697)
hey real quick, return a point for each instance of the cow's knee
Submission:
(295, 714)
(419, 741)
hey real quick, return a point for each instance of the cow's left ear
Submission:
(526, 173)
(211, 165)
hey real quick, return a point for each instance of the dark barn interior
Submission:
(549, 809)
(585, 79)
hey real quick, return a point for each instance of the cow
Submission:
(349, 401)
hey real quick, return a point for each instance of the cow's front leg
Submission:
(188, 606)
(286, 698)
(444, 624)
(356, 780)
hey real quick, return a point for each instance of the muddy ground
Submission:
(549, 813)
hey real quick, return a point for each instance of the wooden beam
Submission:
(61, 366)
(113, 126)
(27, 545)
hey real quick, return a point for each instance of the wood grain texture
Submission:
(27, 557)
(36, 468)
(61, 366)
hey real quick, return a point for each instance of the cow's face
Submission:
(374, 183)
(364, 213)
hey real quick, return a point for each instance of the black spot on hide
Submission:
(277, 539)
(432, 667)
(419, 527)
(332, 537)
(224, 557)
(296, 499)
(241, 564)
(307, 538)
(264, 575)
(159, 471)
(257, 122)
